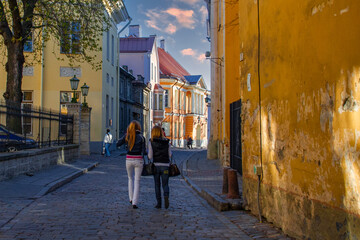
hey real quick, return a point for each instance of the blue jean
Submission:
(107, 151)
(163, 172)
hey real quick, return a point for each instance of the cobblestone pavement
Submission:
(95, 206)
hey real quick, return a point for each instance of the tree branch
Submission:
(29, 6)
(4, 26)
(15, 13)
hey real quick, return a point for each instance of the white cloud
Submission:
(184, 17)
(204, 14)
(191, 2)
(171, 29)
(193, 53)
(201, 57)
(188, 52)
(170, 20)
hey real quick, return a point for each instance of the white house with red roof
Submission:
(139, 56)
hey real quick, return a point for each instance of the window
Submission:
(161, 104)
(112, 110)
(107, 78)
(26, 105)
(156, 101)
(175, 133)
(152, 71)
(122, 87)
(176, 99)
(155, 74)
(184, 103)
(28, 45)
(70, 37)
(107, 45)
(129, 91)
(166, 98)
(112, 81)
(112, 50)
(107, 111)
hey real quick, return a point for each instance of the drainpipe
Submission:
(172, 109)
(118, 76)
(180, 112)
(42, 70)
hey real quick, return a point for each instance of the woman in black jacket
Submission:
(159, 151)
(134, 159)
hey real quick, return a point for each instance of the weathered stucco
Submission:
(300, 110)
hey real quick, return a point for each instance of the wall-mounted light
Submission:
(208, 56)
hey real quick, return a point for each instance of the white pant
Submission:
(134, 169)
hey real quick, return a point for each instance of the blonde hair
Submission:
(156, 132)
(131, 133)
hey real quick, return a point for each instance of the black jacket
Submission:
(139, 145)
(160, 147)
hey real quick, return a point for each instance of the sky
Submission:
(182, 23)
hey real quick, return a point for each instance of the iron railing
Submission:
(24, 126)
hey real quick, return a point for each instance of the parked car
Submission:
(11, 142)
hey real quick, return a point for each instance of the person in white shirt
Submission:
(108, 139)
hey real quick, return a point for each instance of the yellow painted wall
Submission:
(53, 84)
(304, 130)
(187, 117)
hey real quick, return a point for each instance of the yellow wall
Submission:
(184, 116)
(53, 83)
(305, 124)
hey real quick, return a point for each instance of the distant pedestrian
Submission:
(108, 140)
(163, 130)
(136, 150)
(189, 142)
(160, 153)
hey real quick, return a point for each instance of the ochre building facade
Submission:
(294, 65)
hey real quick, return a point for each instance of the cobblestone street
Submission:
(96, 206)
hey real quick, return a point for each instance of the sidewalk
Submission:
(206, 177)
(19, 192)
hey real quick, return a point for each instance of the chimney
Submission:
(162, 44)
(131, 71)
(140, 78)
(125, 67)
(134, 30)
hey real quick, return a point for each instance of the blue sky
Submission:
(182, 23)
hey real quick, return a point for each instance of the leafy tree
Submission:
(77, 25)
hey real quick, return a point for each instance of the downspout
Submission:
(172, 110)
(42, 70)
(118, 76)
(180, 112)
(258, 63)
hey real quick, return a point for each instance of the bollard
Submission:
(233, 189)
(225, 180)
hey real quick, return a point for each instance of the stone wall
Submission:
(14, 164)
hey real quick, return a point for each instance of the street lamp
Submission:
(84, 92)
(74, 82)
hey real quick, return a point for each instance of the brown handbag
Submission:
(173, 169)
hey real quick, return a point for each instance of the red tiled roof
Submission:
(158, 86)
(135, 44)
(169, 66)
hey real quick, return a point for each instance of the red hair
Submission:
(131, 133)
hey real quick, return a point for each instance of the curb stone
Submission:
(64, 180)
(214, 200)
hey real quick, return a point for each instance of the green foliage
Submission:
(76, 25)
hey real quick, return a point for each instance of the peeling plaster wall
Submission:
(307, 117)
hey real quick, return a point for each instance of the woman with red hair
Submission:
(134, 159)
